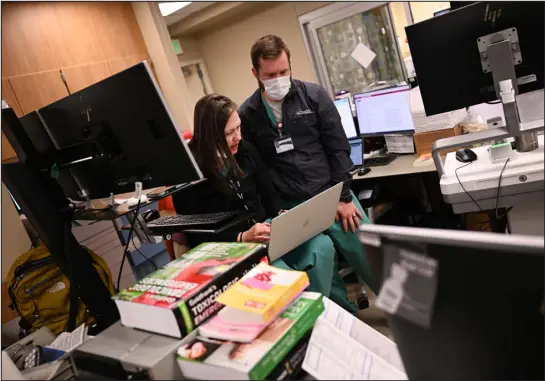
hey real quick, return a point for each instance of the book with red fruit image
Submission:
(180, 296)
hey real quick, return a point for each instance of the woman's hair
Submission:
(209, 144)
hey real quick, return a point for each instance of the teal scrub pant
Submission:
(318, 258)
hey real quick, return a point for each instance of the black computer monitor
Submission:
(124, 123)
(447, 60)
(487, 314)
(384, 111)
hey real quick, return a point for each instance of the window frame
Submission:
(329, 14)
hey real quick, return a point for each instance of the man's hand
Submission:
(349, 214)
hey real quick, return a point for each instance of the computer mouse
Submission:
(466, 155)
(363, 171)
(151, 215)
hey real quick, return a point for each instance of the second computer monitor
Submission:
(356, 151)
(139, 139)
(347, 120)
(384, 111)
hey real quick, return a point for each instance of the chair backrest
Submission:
(166, 204)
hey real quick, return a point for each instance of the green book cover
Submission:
(189, 286)
(201, 357)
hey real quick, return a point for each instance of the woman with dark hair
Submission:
(236, 176)
(238, 180)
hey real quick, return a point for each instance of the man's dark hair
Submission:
(267, 48)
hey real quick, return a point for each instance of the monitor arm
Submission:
(499, 53)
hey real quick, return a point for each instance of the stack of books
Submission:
(238, 318)
(261, 333)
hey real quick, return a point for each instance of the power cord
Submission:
(129, 238)
(499, 188)
(498, 199)
(63, 78)
(498, 216)
(462, 185)
(142, 254)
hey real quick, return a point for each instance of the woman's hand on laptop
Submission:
(260, 232)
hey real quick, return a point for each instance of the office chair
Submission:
(177, 245)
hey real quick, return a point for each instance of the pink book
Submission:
(222, 329)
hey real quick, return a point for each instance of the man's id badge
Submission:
(283, 144)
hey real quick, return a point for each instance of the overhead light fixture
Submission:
(171, 7)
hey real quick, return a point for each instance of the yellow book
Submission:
(262, 294)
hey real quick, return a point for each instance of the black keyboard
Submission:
(378, 161)
(192, 220)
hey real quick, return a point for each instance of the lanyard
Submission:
(235, 185)
(272, 117)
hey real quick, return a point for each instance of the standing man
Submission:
(297, 129)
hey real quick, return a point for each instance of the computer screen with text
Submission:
(385, 111)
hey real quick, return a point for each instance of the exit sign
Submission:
(177, 47)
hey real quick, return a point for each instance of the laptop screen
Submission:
(356, 151)
(347, 120)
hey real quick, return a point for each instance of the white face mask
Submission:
(277, 88)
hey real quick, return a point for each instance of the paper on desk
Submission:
(68, 341)
(363, 55)
(362, 333)
(398, 143)
(415, 101)
(424, 123)
(343, 347)
(333, 355)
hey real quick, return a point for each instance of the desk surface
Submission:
(122, 209)
(402, 165)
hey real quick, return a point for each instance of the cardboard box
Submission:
(424, 140)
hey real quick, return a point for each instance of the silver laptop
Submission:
(303, 222)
